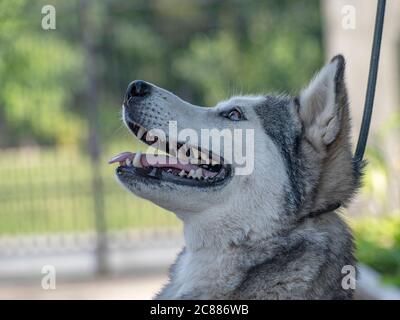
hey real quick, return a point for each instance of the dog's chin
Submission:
(169, 193)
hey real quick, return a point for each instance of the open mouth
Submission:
(182, 164)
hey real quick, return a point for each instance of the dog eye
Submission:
(235, 115)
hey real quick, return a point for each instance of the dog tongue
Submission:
(162, 162)
(122, 157)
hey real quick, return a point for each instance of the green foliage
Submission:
(378, 234)
(35, 70)
(203, 51)
(261, 54)
(377, 176)
(34, 98)
(378, 245)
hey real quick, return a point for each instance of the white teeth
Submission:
(215, 159)
(141, 132)
(199, 173)
(183, 159)
(169, 170)
(194, 154)
(182, 173)
(150, 136)
(182, 155)
(214, 162)
(128, 162)
(136, 161)
(194, 174)
(204, 158)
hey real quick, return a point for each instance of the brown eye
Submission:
(235, 115)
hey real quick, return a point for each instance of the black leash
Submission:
(373, 72)
(370, 95)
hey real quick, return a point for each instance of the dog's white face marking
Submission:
(213, 214)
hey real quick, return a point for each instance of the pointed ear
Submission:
(322, 102)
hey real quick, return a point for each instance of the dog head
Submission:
(299, 160)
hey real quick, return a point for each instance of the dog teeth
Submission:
(204, 158)
(128, 162)
(199, 173)
(181, 158)
(182, 173)
(150, 136)
(181, 154)
(141, 132)
(214, 162)
(194, 155)
(191, 174)
(136, 161)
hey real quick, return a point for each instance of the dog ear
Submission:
(324, 112)
(322, 102)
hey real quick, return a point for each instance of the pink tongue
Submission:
(162, 162)
(122, 157)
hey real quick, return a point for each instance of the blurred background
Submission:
(60, 100)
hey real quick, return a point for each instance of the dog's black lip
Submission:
(159, 175)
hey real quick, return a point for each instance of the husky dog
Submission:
(271, 234)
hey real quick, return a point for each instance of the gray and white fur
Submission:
(266, 235)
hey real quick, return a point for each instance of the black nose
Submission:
(137, 88)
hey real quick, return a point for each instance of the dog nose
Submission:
(137, 88)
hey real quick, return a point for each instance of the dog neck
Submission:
(218, 230)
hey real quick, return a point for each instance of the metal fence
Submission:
(63, 196)
(61, 92)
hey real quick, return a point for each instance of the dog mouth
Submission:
(181, 164)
